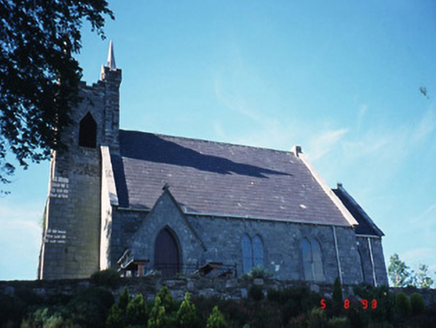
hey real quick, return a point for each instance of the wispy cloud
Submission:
(426, 126)
(323, 142)
(420, 255)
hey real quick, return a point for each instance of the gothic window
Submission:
(88, 132)
(312, 260)
(257, 251)
(247, 254)
(307, 259)
(252, 252)
(318, 270)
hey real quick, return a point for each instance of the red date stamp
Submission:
(364, 303)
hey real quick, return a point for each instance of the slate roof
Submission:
(217, 178)
(366, 225)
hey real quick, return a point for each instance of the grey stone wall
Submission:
(205, 239)
(71, 236)
(197, 286)
(379, 262)
(372, 260)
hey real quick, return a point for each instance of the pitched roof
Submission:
(366, 225)
(217, 178)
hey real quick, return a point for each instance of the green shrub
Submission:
(186, 315)
(90, 307)
(258, 272)
(316, 318)
(157, 318)
(293, 302)
(115, 318)
(339, 322)
(380, 325)
(136, 313)
(385, 303)
(11, 310)
(299, 321)
(106, 278)
(216, 319)
(124, 300)
(402, 304)
(166, 299)
(256, 293)
(337, 299)
(337, 292)
(417, 303)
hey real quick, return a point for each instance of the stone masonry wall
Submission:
(197, 286)
(71, 238)
(205, 239)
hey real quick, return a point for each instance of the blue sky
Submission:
(340, 79)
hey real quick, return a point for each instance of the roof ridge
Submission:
(212, 141)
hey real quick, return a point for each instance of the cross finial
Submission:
(111, 57)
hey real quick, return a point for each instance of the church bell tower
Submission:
(71, 232)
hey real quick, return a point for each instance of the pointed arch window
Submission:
(312, 260)
(252, 252)
(88, 132)
(257, 251)
(247, 254)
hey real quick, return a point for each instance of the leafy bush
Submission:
(293, 301)
(402, 304)
(187, 316)
(417, 303)
(166, 299)
(115, 318)
(216, 319)
(136, 313)
(380, 325)
(316, 318)
(11, 310)
(157, 318)
(256, 293)
(106, 278)
(339, 322)
(385, 303)
(124, 300)
(89, 308)
(299, 321)
(258, 272)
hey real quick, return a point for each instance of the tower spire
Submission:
(111, 57)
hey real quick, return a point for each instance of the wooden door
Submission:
(166, 254)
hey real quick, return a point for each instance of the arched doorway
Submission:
(166, 253)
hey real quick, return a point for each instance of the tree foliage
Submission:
(158, 316)
(402, 276)
(186, 315)
(39, 76)
(398, 272)
(422, 278)
(216, 319)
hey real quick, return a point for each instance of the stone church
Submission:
(144, 203)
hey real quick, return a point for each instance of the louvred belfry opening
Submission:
(88, 132)
(166, 254)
